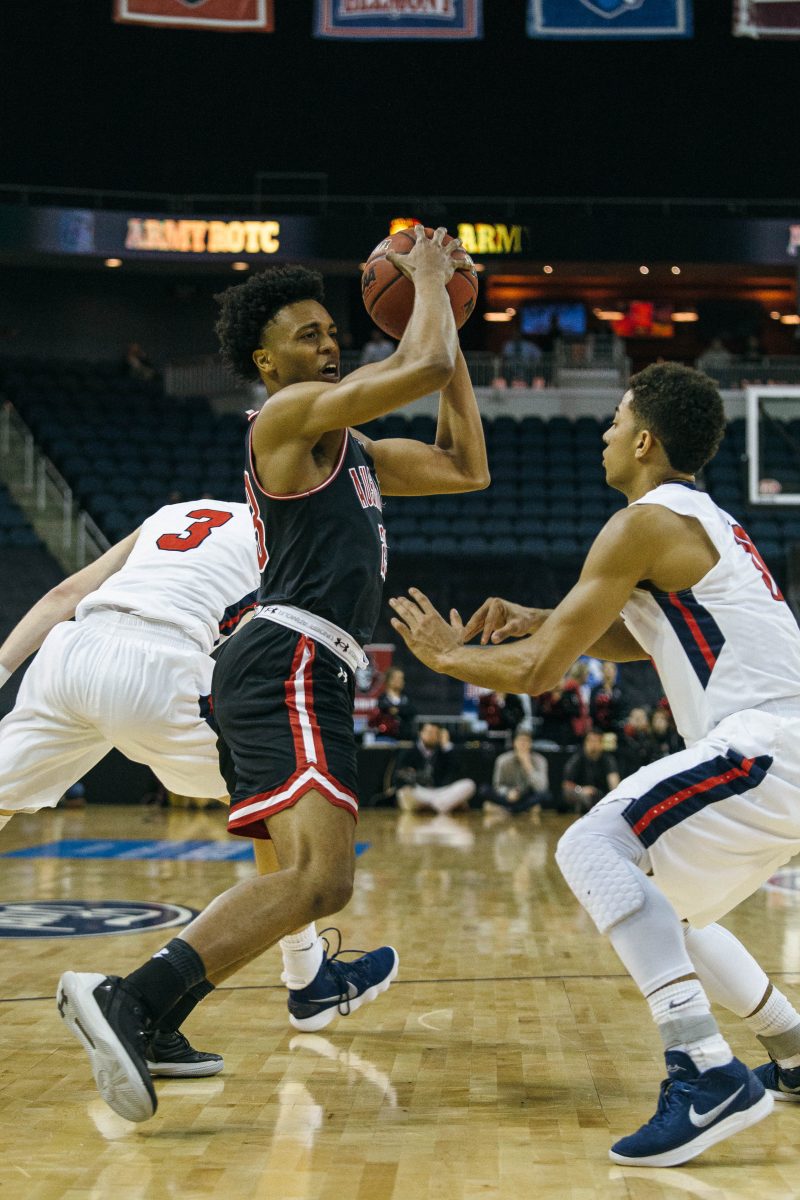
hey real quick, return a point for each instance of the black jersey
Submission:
(324, 550)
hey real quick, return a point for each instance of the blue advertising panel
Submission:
(592, 19)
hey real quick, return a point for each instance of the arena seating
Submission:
(14, 527)
(125, 448)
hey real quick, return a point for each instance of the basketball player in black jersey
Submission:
(283, 688)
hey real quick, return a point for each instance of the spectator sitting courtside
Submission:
(589, 775)
(564, 712)
(502, 711)
(520, 780)
(665, 737)
(395, 714)
(635, 747)
(607, 705)
(424, 774)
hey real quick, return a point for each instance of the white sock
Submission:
(678, 1007)
(302, 957)
(728, 972)
(776, 1017)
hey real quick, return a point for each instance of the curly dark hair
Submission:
(247, 307)
(683, 409)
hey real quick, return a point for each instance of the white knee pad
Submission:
(599, 866)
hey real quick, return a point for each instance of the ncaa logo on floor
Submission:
(87, 918)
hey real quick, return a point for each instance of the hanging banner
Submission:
(575, 20)
(774, 19)
(231, 16)
(396, 20)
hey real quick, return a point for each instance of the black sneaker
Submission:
(111, 1026)
(170, 1054)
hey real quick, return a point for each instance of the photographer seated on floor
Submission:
(520, 780)
(424, 774)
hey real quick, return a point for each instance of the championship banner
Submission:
(397, 20)
(576, 20)
(774, 19)
(230, 16)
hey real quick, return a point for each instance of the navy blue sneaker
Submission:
(339, 988)
(695, 1110)
(781, 1083)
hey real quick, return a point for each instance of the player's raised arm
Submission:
(455, 463)
(59, 604)
(423, 362)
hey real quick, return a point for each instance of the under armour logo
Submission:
(342, 674)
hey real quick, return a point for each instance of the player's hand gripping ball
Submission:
(388, 294)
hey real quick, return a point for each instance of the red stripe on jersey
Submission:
(695, 630)
(318, 783)
(695, 789)
(294, 703)
(316, 732)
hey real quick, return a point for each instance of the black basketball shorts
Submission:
(283, 704)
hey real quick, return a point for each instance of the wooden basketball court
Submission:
(508, 1056)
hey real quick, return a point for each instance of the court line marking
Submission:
(791, 976)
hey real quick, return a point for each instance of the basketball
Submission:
(388, 294)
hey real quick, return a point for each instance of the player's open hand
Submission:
(423, 628)
(498, 619)
(428, 255)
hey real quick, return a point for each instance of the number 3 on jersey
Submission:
(261, 533)
(203, 521)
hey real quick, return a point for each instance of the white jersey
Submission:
(727, 644)
(194, 566)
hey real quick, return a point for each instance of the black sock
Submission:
(173, 1019)
(166, 977)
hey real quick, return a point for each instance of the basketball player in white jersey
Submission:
(673, 578)
(133, 671)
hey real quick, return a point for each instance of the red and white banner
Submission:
(231, 16)
(774, 19)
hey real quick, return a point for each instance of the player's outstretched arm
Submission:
(455, 463)
(59, 604)
(498, 619)
(619, 558)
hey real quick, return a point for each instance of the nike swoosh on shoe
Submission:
(352, 992)
(700, 1120)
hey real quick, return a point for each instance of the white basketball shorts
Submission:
(110, 680)
(717, 819)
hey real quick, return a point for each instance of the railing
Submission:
(308, 193)
(207, 376)
(783, 369)
(45, 497)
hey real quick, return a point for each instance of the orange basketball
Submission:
(389, 295)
